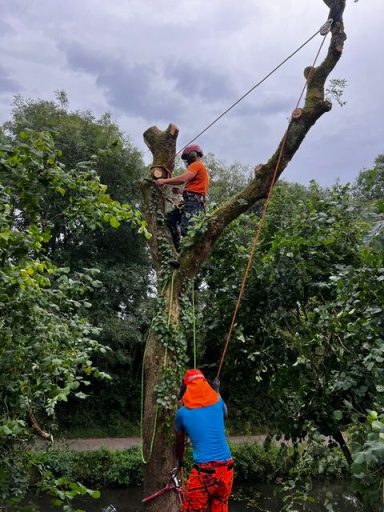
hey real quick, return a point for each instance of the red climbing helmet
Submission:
(193, 148)
(191, 375)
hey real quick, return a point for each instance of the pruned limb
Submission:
(314, 107)
(162, 145)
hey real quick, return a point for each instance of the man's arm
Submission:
(183, 179)
(180, 447)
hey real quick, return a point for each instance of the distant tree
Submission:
(47, 341)
(119, 305)
(370, 182)
(369, 190)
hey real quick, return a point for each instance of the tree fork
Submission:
(315, 105)
(163, 147)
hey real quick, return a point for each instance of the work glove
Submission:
(182, 390)
(215, 384)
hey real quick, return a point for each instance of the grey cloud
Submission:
(193, 79)
(5, 28)
(141, 89)
(131, 88)
(83, 60)
(264, 107)
(7, 84)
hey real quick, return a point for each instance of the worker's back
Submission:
(205, 428)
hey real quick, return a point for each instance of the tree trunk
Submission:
(158, 442)
(339, 438)
(164, 357)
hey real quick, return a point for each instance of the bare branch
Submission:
(36, 427)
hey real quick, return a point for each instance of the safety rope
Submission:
(194, 325)
(263, 216)
(146, 460)
(251, 89)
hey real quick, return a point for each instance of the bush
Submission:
(103, 468)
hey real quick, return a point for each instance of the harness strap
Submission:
(211, 471)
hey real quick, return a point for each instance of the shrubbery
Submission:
(103, 468)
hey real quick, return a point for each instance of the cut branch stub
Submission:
(297, 113)
(160, 172)
(162, 145)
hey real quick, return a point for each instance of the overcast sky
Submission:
(151, 62)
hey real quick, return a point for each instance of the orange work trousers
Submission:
(209, 487)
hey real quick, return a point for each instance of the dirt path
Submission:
(119, 443)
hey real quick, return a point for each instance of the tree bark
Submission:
(158, 422)
(163, 147)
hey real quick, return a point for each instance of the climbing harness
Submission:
(264, 212)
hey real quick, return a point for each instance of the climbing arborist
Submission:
(201, 417)
(196, 181)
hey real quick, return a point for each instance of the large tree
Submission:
(166, 352)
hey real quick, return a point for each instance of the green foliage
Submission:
(369, 190)
(100, 468)
(368, 460)
(255, 463)
(225, 180)
(313, 292)
(63, 490)
(119, 306)
(174, 338)
(335, 90)
(47, 341)
(103, 468)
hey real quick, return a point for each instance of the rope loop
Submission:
(324, 29)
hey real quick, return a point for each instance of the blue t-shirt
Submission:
(205, 429)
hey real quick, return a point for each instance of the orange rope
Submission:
(262, 223)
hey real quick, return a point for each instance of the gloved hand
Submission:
(216, 384)
(182, 390)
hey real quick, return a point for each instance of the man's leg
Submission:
(196, 496)
(191, 207)
(173, 223)
(222, 490)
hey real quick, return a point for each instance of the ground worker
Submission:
(196, 181)
(201, 417)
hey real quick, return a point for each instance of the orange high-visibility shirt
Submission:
(200, 182)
